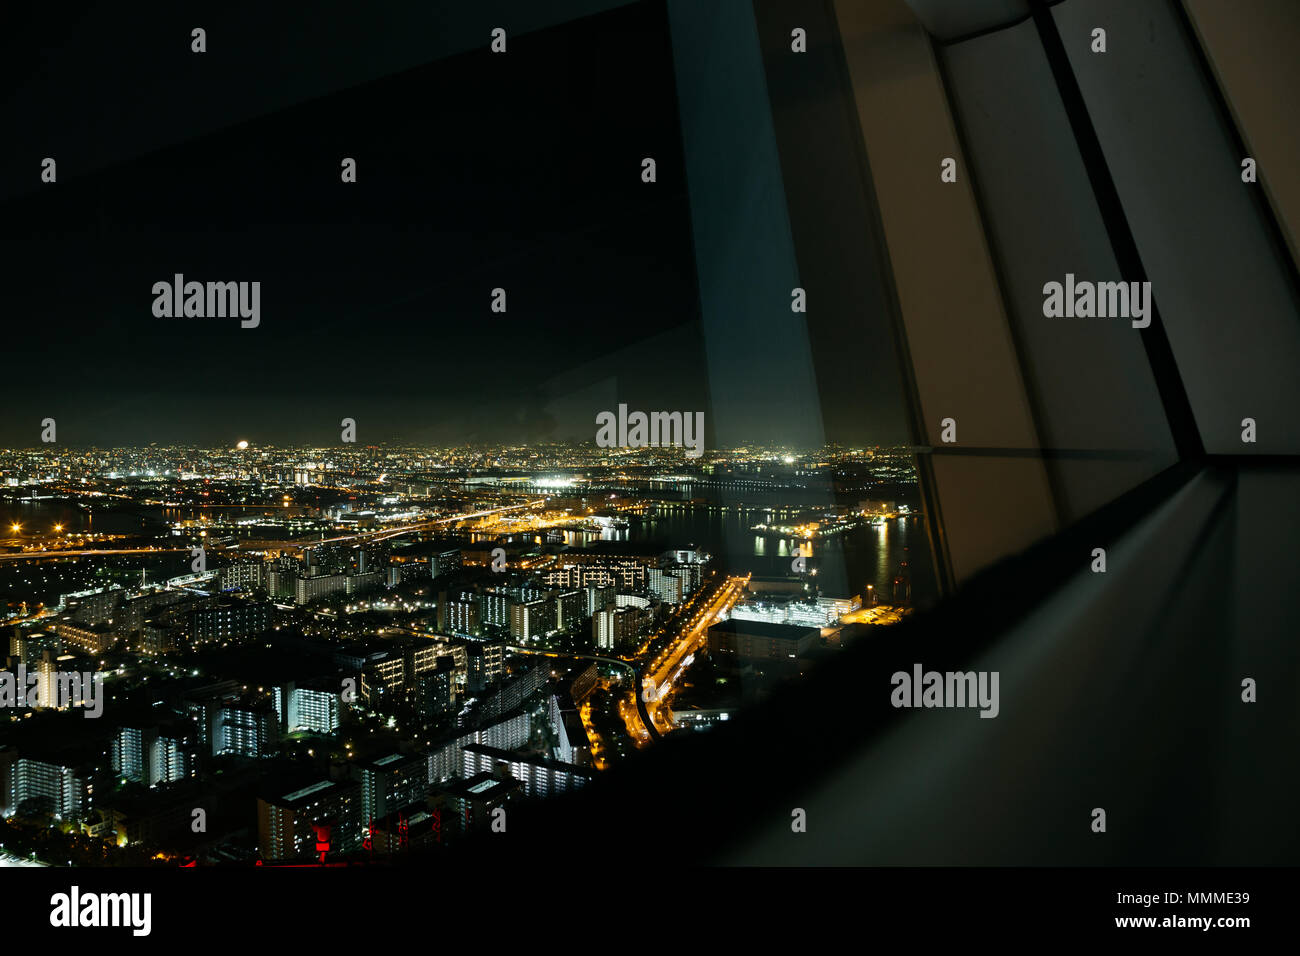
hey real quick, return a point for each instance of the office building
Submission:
(461, 807)
(92, 606)
(570, 608)
(47, 787)
(530, 620)
(314, 710)
(244, 575)
(229, 621)
(248, 730)
(486, 664)
(308, 590)
(538, 776)
(618, 628)
(599, 597)
(390, 684)
(459, 617)
(150, 756)
(364, 581)
(751, 641)
(93, 639)
(287, 825)
(494, 605)
(390, 784)
(447, 758)
(665, 585)
(445, 563)
(434, 691)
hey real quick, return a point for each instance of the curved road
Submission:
(640, 704)
(725, 593)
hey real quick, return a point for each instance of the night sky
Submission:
(475, 171)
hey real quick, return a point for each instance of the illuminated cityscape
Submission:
(390, 642)
(519, 457)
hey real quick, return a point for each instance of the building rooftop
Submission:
(780, 632)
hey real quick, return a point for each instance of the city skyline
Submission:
(395, 645)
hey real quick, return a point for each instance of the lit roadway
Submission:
(667, 665)
(382, 534)
(640, 704)
(70, 553)
(378, 534)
